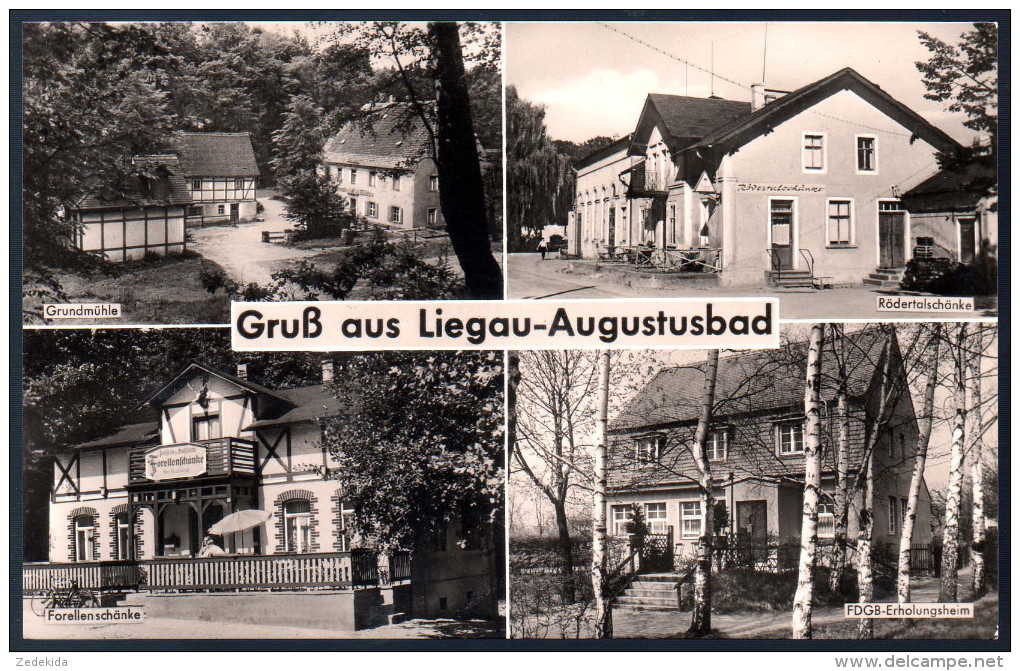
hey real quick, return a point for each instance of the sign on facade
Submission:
(780, 188)
(175, 461)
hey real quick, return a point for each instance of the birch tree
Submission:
(977, 474)
(701, 621)
(917, 478)
(841, 495)
(600, 555)
(802, 600)
(948, 590)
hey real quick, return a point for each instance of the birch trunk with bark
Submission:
(802, 600)
(701, 621)
(865, 582)
(949, 588)
(977, 473)
(917, 478)
(841, 494)
(600, 555)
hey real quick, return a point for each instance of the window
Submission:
(354, 176)
(890, 206)
(123, 536)
(196, 185)
(432, 216)
(373, 178)
(238, 184)
(672, 224)
(84, 538)
(205, 427)
(344, 527)
(396, 182)
(826, 520)
(894, 515)
(840, 222)
(338, 173)
(716, 444)
(296, 517)
(621, 517)
(690, 519)
(434, 183)
(372, 210)
(221, 209)
(647, 449)
(867, 153)
(438, 539)
(814, 152)
(396, 215)
(790, 438)
(354, 205)
(655, 517)
(781, 221)
(194, 210)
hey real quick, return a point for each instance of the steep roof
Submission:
(390, 137)
(685, 119)
(741, 130)
(305, 404)
(751, 381)
(604, 152)
(130, 434)
(216, 154)
(130, 191)
(174, 384)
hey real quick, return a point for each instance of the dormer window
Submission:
(717, 444)
(648, 449)
(790, 438)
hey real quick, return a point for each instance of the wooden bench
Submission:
(274, 236)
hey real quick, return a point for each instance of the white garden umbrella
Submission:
(239, 522)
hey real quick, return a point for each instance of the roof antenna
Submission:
(713, 70)
(764, 51)
(687, 83)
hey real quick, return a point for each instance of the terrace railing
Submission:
(224, 456)
(107, 575)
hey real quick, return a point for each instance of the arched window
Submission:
(297, 514)
(123, 525)
(84, 538)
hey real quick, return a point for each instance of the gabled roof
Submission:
(130, 434)
(305, 404)
(174, 384)
(739, 131)
(604, 152)
(390, 137)
(685, 119)
(752, 381)
(131, 193)
(216, 154)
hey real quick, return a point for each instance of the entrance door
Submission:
(891, 239)
(781, 221)
(752, 519)
(967, 240)
(612, 228)
(235, 213)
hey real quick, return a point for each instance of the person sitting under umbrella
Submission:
(210, 549)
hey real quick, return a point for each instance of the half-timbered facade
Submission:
(208, 444)
(755, 449)
(222, 175)
(794, 188)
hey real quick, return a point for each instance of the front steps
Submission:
(885, 277)
(792, 279)
(650, 592)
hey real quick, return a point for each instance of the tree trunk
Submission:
(566, 551)
(865, 582)
(701, 621)
(804, 596)
(977, 469)
(599, 554)
(461, 193)
(920, 457)
(948, 591)
(841, 495)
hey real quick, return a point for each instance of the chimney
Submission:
(242, 371)
(327, 371)
(757, 96)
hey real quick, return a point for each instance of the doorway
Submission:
(782, 220)
(967, 243)
(752, 520)
(891, 235)
(235, 213)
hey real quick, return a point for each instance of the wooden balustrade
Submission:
(224, 456)
(108, 575)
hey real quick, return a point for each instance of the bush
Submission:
(947, 278)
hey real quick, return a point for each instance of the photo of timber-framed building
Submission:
(129, 514)
(801, 188)
(222, 175)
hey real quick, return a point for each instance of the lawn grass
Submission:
(166, 290)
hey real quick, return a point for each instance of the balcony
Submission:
(649, 183)
(216, 457)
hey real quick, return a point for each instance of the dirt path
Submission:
(239, 250)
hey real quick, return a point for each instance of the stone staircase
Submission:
(650, 592)
(885, 277)
(792, 279)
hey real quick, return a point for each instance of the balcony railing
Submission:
(649, 182)
(335, 570)
(224, 456)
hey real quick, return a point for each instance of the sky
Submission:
(593, 81)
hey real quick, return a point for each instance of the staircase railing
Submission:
(810, 258)
(774, 260)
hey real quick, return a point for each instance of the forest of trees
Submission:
(95, 94)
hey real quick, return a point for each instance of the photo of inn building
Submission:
(222, 175)
(383, 166)
(129, 513)
(801, 188)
